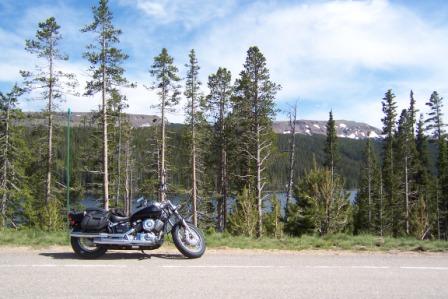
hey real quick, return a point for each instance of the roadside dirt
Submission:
(233, 251)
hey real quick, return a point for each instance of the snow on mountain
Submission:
(344, 128)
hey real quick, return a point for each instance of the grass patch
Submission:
(39, 238)
(333, 242)
(32, 237)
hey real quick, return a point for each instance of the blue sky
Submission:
(340, 55)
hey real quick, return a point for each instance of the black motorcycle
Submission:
(94, 231)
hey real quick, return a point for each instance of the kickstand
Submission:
(145, 255)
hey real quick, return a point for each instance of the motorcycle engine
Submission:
(151, 229)
(150, 225)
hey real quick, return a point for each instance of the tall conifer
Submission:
(106, 72)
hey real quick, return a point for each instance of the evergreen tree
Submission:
(106, 72)
(218, 107)
(406, 167)
(325, 208)
(244, 218)
(272, 220)
(291, 156)
(165, 75)
(331, 151)
(14, 157)
(52, 83)
(255, 94)
(194, 110)
(424, 178)
(367, 203)
(435, 125)
(388, 172)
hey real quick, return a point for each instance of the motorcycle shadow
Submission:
(114, 256)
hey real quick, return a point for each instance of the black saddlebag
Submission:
(95, 220)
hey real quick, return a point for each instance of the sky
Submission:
(329, 55)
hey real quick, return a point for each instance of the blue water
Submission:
(91, 202)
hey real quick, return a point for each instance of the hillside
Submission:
(345, 128)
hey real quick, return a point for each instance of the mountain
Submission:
(344, 128)
(79, 119)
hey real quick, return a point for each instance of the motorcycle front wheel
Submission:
(86, 249)
(190, 244)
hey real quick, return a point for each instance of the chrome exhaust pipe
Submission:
(123, 242)
(95, 235)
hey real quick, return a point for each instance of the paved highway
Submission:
(57, 273)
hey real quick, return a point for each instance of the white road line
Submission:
(62, 266)
(424, 268)
(220, 266)
(370, 267)
(346, 267)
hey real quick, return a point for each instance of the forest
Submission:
(225, 152)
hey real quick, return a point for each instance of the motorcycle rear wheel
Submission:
(84, 248)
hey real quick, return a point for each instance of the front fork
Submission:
(188, 233)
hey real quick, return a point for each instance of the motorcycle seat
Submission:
(116, 218)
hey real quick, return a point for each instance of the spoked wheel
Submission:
(190, 243)
(85, 248)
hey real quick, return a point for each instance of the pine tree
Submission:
(244, 218)
(331, 151)
(218, 107)
(52, 83)
(14, 157)
(323, 204)
(435, 125)
(406, 166)
(388, 172)
(424, 177)
(106, 72)
(255, 94)
(165, 82)
(291, 154)
(367, 201)
(194, 110)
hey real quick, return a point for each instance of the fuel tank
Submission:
(152, 211)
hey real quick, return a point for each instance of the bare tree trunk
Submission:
(118, 183)
(292, 146)
(5, 169)
(406, 192)
(258, 183)
(438, 210)
(223, 180)
(126, 182)
(50, 131)
(105, 140)
(369, 187)
(162, 171)
(381, 204)
(193, 162)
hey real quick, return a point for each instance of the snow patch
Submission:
(342, 126)
(316, 126)
(373, 135)
(352, 136)
(287, 132)
(307, 131)
(144, 125)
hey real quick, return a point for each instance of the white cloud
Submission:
(190, 13)
(340, 55)
(347, 53)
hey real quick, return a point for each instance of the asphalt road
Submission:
(57, 273)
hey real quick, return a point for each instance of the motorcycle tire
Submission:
(182, 247)
(86, 253)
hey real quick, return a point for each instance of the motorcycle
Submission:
(94, 231)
